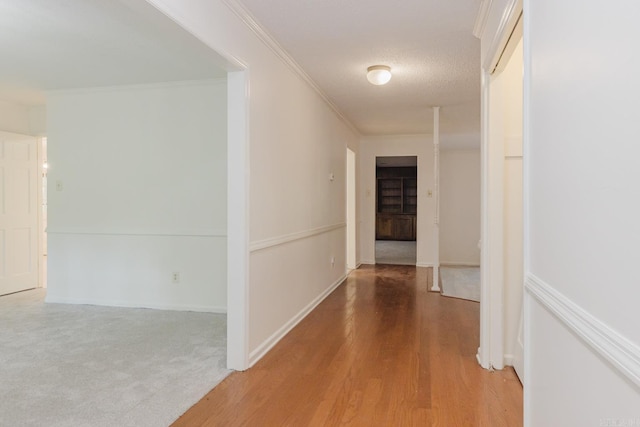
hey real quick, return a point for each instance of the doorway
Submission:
(396, 209)
(502, 263)
(43, 213)
(19, 216)
(352, 263)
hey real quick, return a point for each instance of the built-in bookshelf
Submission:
(397, 203)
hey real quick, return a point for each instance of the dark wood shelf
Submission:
(397, 203)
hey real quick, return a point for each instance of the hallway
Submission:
(379, 351)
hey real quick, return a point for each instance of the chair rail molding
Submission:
(621, 352)
(292, 237)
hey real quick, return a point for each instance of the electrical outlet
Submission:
(59, 185)
(333, 261)
(175, 277)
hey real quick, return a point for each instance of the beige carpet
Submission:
(80, 365)
(461, 282)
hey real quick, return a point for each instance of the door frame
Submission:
(351, 210)
(494, 26)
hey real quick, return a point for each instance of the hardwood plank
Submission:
(379, 351)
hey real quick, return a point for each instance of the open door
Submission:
(18, 213)
(508, 89)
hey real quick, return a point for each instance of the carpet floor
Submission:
(395, 252)
(461, 282)
(79, 365)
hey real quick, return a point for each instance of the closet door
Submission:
(18, 213)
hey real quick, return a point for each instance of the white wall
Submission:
(23, 119)
(14, 118)
(372, 147)
(137, 191)
(296, 214)
(37, 116)
(583, 342)
(460, 207)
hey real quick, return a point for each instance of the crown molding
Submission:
(252, 23)
(508, 21)
(481, 19)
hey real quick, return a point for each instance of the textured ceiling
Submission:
(428, 44)
(65, 44)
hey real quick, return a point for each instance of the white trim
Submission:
(526, 404)
(40, 203)
(481, 18)
(115, 303)
(526, 152)
(424, 264)
(435, 284)
(367, 262)
(512, 11)
(621, 352)
(489, 312)
(268, 344)
(238, 219)
(292, 237)
(263, 35)
(509, 359)
(205, 232)
(459, 264)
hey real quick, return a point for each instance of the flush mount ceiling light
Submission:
(379, 74)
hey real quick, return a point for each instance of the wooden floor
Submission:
(379, 351)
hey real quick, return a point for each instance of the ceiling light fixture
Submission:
(379, 74)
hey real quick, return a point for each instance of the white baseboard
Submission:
(174, 307)
(621, 352)
(509, 359)
(368, 262)
(349, 270)
(424, 264)
(268, 344)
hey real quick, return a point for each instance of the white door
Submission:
(18, 213)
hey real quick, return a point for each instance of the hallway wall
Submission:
(460, 207)
(296, 143)
(372, 147)
(582, 272)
